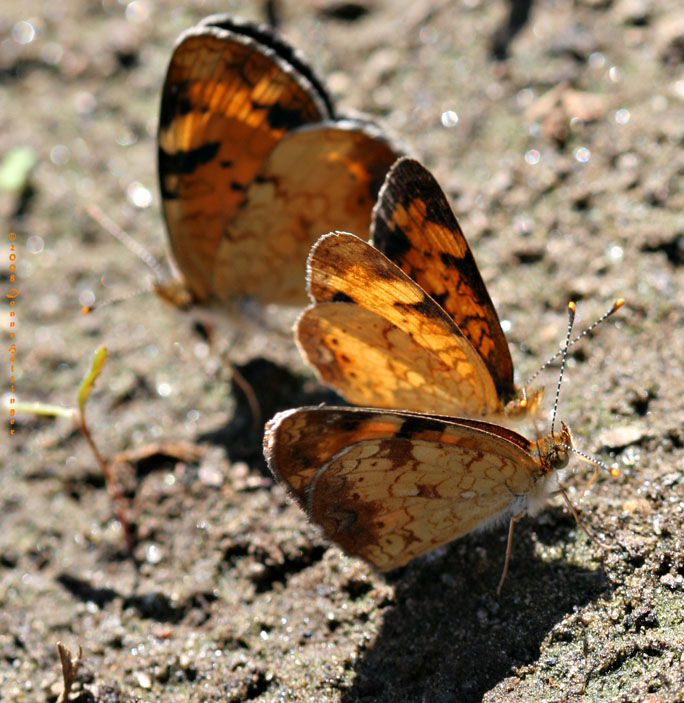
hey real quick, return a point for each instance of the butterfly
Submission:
(407, 326)
(254, 164)
(388, 486)
(406, 320)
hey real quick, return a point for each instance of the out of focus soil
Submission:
(572, 194)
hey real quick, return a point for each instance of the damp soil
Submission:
(561, 147)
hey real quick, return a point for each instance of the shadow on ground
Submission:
(463, 639)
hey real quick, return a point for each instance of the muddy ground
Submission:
(572, 194)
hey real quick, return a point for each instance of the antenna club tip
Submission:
(614, 471)
(619, 303)
(86, 309)
(571, 306)
(523, 403)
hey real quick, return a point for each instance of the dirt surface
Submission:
(572, 194)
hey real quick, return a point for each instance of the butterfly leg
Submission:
(250, 395)
(591, 480)
(575, 514)
(245, 386)
(509, 546)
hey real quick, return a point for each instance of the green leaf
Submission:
(16, 167)
(99, 359)
(36, 408)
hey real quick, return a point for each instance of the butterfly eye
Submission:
(559, 456)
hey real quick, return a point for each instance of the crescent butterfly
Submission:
(254, 163)
(388, 486)
(406, 320)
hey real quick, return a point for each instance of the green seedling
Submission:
(78, 416)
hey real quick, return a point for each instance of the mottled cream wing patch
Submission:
(372, 362)
(296, 441)
(314, 180)
(392, 486)
(345, 269)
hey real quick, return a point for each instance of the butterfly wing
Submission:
(316, 178)
(231, 93)
(415, 227)
(371, 362)
(388, 486)
(344, 269)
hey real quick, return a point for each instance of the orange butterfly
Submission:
(388, 486)
(412, 328)
(254, 164)
(407, 321)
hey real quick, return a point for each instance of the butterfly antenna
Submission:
(85, 309)
(564, 351)
(131, 244)
(597, 463)
(616, 306)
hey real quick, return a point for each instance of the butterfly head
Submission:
(553, 451)
(176, 293)
(525, 403)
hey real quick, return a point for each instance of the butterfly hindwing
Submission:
(345, 269)
(372, 362)
(320, 177)
(390, 485)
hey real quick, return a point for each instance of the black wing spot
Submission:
(449, 260)
(413, 426)
(184, 163)
(393, 243)
(349, 423)
(280, 117)
(174, 102)
(425, 307)
(440, 298)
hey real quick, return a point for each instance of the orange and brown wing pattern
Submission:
(389, 486)
(298, 442)
(345, 269)
(415, 227)
(242, 208)
(317, 178)
(372, 362)
(227, 100)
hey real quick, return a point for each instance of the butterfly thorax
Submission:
(553, 451)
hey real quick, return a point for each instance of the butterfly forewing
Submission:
(291, 59)
(415, 227)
